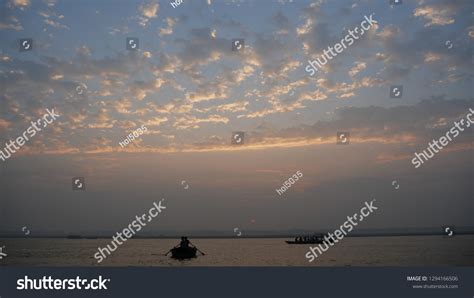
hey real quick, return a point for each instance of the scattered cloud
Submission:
(147, 11)
(22, 4)
(436, 15)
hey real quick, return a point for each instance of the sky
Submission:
(191, 91)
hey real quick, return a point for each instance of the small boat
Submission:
(318, 241)
(315, 239)
(183, 253)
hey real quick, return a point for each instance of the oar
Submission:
(197, 249)
(171, 250)
(200, 251)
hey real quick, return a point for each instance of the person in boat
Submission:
(184, 242)
(185, 249)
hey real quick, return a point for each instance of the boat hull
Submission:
(306, 242)
(183, 253)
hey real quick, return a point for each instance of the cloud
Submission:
(193, 122)
(344, 89)
(169, 29)
(441, 13)
(4, 124)
(147, 11)
(195, 81)
(155, 121)
(415, 124)
(52, 19)
(50, 3)
(424, 45)
(208, 91)
(10, 22)
(388, 32)
(233, 107)
(102, 119)
(387, 123)
(20, 3)
(358, 67)
(432, 57)
(436, 15)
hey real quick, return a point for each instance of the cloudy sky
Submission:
(191, 91)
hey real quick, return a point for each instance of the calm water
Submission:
(359, 251)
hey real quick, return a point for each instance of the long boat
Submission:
(314, 239)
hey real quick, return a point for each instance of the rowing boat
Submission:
(183, 253)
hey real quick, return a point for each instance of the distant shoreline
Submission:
(91, 237)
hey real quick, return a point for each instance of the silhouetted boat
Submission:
(315, 239)
(183, 252)
(305, 242)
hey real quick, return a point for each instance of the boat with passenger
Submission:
(313, 239)
(184, 250)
